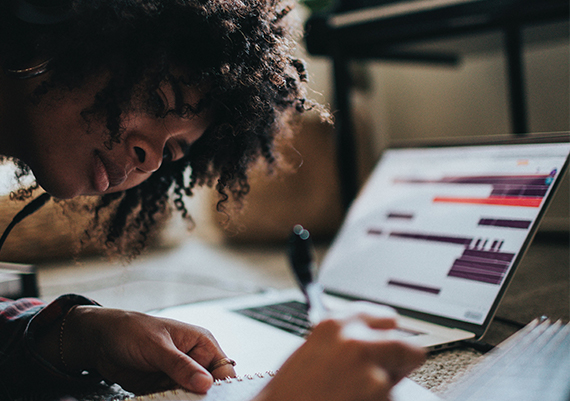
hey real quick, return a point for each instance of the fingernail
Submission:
(200, 381)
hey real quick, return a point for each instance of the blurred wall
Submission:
(406, 100)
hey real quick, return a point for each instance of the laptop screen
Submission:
(439, 230)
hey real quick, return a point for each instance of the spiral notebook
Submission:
(244, 388)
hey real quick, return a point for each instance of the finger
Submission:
(222, 368)
(185, 371)
(383, 383)
(207, 352)
(382, 319)
(214, 360)
(374, 322)
(358, 308)
(370, 329)
(398, 358)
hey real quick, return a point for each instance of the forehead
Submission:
(180, 87)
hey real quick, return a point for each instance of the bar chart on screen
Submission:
(440, 229)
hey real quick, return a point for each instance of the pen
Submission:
(301, 257)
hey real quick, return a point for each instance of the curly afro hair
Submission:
(239, 50)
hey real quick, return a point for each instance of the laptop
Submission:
(436, 233)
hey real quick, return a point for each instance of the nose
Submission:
(147, 158)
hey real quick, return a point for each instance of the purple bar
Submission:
(435, 238)
(477, 272)
(475, 277)
(499, 179)
(524, 190)
(416, 287)
(481, 265)
(542, 179)
(522, 224)
(395, 215)
(493, 255)
(374, 231)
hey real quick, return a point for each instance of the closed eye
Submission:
(172, 153)
(167, 155)
(184, 147)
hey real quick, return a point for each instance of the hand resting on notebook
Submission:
(140, 352)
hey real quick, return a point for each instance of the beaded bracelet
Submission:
(61, 330)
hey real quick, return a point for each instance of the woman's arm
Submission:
(56, 345)
(142, 353)
(22, 366)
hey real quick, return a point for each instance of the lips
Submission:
(107, 173)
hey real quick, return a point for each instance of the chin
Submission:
(60, 190)
(60, 194)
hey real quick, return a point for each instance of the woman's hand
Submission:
(140, 352)
(346, 359)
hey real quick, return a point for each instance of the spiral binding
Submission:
(178, 394)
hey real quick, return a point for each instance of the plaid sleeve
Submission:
(21, 366)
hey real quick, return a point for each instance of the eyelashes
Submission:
(159, 105)
(167, 155)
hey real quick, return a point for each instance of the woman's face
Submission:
(69, 157)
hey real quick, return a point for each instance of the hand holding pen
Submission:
(343, 359)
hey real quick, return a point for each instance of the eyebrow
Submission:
(178, 96)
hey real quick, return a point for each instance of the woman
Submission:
(138, 102)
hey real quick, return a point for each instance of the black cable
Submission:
(508, 321)
(478, 345)
(26, 211)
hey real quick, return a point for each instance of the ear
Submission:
(43, 12)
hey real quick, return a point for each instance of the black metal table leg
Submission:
(345, 141)
(515, 71)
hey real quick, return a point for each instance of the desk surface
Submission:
(175, 276)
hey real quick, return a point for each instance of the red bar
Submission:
(500, 201)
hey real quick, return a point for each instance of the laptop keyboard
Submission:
(292, 317)
(289, 316)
